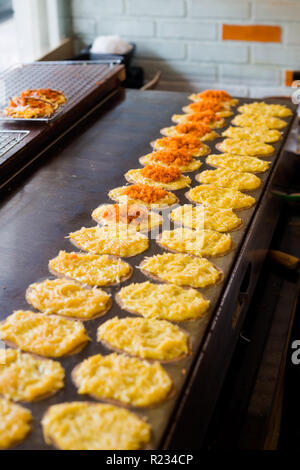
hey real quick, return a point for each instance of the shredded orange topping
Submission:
(161, 174)
(207, 104)
(179, 157)
(185, 142)
(220, 95)
(23, 101)
(206, 116)
(197, 129)
(125, 214)
(46, 93)
(146, 193)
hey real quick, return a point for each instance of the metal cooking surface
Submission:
(60, 197)
(8, 139)
(74, 79)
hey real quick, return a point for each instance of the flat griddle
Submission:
(58, 196)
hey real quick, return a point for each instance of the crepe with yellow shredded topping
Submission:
(68, 298)
(135, 176)
(45, 335)
(245, 147)
(212, 195)
(24, 377)
(90, 269)
(186, 166)
(146, 338)
(119, 378)
(127, 215)
(266, 109)
(201, 217)
(110, 240)
(15, 423)
(162, 301)
(143, 195)
(94, 426)
(229, 179)
(195, 242)
(241, 163)
(181, 269)
(258, 121)
(261, 133)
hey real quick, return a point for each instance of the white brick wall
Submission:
(182, 38)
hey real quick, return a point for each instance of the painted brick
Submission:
(176, 70)
(84, 26)
(292, 33)
(219, 9)
(218, 53)
(155, 7)
(97, 7)
(136, 27)
(277, 55)
(187, 29)
(262, 33)
(276, 10)
(152, 49)
(250, 74)
(264, 92)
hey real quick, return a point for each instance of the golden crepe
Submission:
(122, 379)
(186, 142)
(245, 147)
(181, 269)
(94, 426)
(265, 108)
(24, 377)
(181, 159)
(229, 179)
(146, 338)
(68, 298)
(196, 129)
(195, 242)
(90, 269)
(45, 335)
(223, 198)
(258, 121)
(209, 117)
(202, 217)
(156, 175)
(110, 240)
(15, 423)
(222, 96)
(29, 108)
(241, 163)
(261, 133)
(144, 194)
(222, 110)
(162, 301)
(127, 215)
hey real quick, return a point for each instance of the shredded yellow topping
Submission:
(201, 217)
(122, 378)
(182, 269)
(90, 269)
(266, 109)
(245, 147)
(223, 198)
(110, 240)
(67, 298)
(262, 134)
(238, 163)
(24, 377)
(258, 120)
(15, 423)
(163, 301)
(144, 338)
(230, 179)
(46, 335)
(94, 426)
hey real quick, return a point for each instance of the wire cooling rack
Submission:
(8, 139)
(74, 79)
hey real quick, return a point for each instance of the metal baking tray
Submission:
(8, 139)
(73, 78)
(159, 417)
